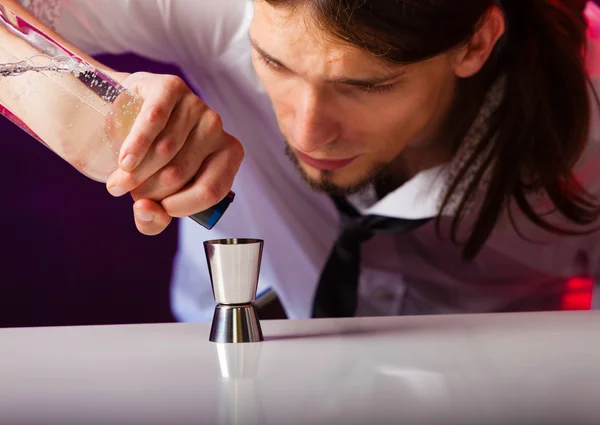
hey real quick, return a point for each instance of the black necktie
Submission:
(337, 290)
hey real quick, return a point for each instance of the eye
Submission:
(270, 63)
(375, 89)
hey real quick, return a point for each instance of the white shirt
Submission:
(414, 273)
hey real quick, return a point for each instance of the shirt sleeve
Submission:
(186, 32)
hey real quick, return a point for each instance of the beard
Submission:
(378, 174)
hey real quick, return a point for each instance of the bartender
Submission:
(414, 157)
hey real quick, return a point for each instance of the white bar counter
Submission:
(532, 368)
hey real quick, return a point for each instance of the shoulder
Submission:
(202, 29)
(592, 15)
(47, 11)
(587, 168)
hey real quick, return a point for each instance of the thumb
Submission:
(150, 217)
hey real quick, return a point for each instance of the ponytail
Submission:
(541, 126)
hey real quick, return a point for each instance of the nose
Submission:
(315, 124)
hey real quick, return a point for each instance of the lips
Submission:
(324, 164)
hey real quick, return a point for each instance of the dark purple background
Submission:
(70, 253)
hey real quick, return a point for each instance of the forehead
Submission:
(293, 32)
(283, 18)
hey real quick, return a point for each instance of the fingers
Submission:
(160, 99)
(211, 184)
(150, 217)
(167, 146)
(176, 159)
(174, 176)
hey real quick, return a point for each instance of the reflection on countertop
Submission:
(466, 369)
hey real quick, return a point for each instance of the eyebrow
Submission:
(349, 81)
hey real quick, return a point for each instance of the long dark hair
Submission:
(541, 125)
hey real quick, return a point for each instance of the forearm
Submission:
(16, 7)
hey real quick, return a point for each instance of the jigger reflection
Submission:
(234, 267)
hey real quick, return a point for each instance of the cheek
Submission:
(388, 122)
(416, 107)
(409, 117)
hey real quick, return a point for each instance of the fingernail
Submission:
(129, 162)
(144, 215)
(116, 191)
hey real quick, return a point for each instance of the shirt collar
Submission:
(422, 196)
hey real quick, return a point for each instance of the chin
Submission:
(334, 183)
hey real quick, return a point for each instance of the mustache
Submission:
(325, 183)
(331, 149)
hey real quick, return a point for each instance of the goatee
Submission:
(378, 174)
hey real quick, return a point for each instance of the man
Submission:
(388, 123)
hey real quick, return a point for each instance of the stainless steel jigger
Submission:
(234, 266)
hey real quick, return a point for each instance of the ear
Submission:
(472, 56)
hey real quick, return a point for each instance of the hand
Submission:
(177, 160)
